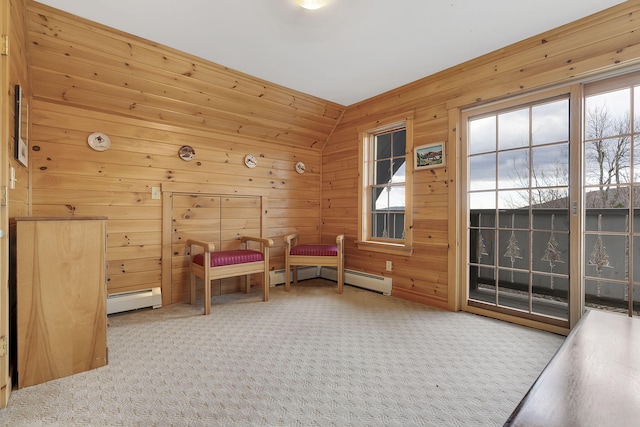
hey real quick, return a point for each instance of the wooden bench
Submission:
(210, 265)
(318, 255)
(592, 380)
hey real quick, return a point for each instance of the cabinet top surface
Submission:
(49, 218)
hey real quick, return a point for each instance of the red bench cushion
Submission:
(240, 256)
(315, 250)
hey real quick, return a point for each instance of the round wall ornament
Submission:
(250, 161)
(99, 141)
(187, 153)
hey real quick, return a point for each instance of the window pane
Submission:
(603, 294)
(482, 172)
(515, 199)
(399, 143)
(551, 219)
(636, 157)
(513, 249)
(482, 135)
(390, 198)
(550, 296)
(512, 289)
(512, 219)
(484, 200)
(550, 166)
(636, 109)
(605, 197)
(513, 169)
(383, 146)
(608, 114)
(550, 252)
(396, 226)
(608, 161)
(607, 220)
(482, 284)
(606, 256)
(378, 225)
(513, 129)
(550, 122)
(380, 198)
(481, 246)
(399, 170)
(383, 172)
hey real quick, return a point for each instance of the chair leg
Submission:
(193, 288)
(340, 277)
(265, 287)
(207, 297)
(265, 281)
(287, 272)
(207, 292)
(247, 283)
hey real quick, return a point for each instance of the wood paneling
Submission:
(151, 100)
(599, 43)
(62, 311)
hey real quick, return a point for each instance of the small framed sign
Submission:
(429, 156)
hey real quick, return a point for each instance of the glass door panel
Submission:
(610, 193)
(518, 207)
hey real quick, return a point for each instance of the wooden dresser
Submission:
(61, 297)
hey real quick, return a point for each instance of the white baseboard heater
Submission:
(367, 281)
(277, 277)
(126, 301)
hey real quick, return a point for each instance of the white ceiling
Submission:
(346, 52)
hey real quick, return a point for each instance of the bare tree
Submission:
(608, 157)
(548, 185)
(608, 165)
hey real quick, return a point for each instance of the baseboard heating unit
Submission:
(277, 277)
(126, 301)
(367, 281)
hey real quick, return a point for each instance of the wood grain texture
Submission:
(591, 381)
(596, 44)
(151, 100)
(62, 319)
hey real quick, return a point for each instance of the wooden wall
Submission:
(603, 42)
(18, 75)
(151, 100)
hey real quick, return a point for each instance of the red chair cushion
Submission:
(315, 250)
(240, 256)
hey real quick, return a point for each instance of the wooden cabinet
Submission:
(61, 297)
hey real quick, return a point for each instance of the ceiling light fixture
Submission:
(312, 4)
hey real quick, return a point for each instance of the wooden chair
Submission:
(319, 255)
(210, 265)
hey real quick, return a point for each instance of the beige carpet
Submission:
(305, 358)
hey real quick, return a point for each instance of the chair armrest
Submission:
(267, 242)
(340, 243)
(291, 240)
(207, 246)
(264, 242)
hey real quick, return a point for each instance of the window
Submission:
(385, 188)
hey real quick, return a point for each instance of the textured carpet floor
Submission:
(305, 358)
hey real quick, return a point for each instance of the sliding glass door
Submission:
(611, 194)
(552, 185)
(518, 208)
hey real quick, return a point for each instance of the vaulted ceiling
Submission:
(346, 52)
